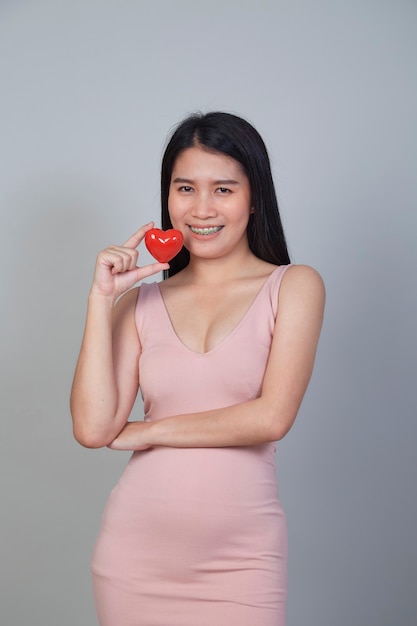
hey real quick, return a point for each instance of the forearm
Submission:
(244, 424)
(249, 423)
(94, 391)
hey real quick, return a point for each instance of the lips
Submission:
(206, 230)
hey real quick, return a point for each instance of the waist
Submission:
(230, 475)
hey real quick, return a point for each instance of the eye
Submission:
(185, 188)
(222, 190)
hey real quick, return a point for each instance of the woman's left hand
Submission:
(132, 437)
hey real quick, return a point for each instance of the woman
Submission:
(194, 533)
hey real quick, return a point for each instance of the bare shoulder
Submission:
(302, 286)
(302, 277)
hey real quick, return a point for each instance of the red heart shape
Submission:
(164, 244)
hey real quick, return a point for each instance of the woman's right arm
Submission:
(106, 377)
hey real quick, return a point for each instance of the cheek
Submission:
(173, 215)
(177, 207)
(171, 207)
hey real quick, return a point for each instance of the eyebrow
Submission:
(215, 182)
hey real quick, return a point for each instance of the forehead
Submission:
(197, 162)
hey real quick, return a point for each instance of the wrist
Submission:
(95, 296)
(149, 435)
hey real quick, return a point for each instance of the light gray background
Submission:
(89, 91)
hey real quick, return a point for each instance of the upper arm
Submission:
(294, 345)
(126, 353)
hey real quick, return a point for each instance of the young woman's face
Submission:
(209, 202)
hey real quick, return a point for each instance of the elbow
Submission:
(280, 433)
(91, 438)
(88, 428)
(276, 432)
(88, 440)
(89, 443)
(278, 426)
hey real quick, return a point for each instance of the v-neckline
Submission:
(229, 335)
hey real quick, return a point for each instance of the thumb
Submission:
(149, 270)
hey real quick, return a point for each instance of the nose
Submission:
(203, 206)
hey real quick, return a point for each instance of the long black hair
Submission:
(233, 136)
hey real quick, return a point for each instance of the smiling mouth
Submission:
(205, 231)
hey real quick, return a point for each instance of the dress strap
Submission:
(274, 286)
(149, 314)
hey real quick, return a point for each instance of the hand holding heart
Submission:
(116, 268)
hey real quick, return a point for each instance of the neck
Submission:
(220, 270)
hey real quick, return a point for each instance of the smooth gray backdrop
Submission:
(88, 92)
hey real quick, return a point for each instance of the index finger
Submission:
(135, 239)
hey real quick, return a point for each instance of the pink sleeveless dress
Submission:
(196, 536)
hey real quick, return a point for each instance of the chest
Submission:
(203, 318)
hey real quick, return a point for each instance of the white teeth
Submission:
(205, 231)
